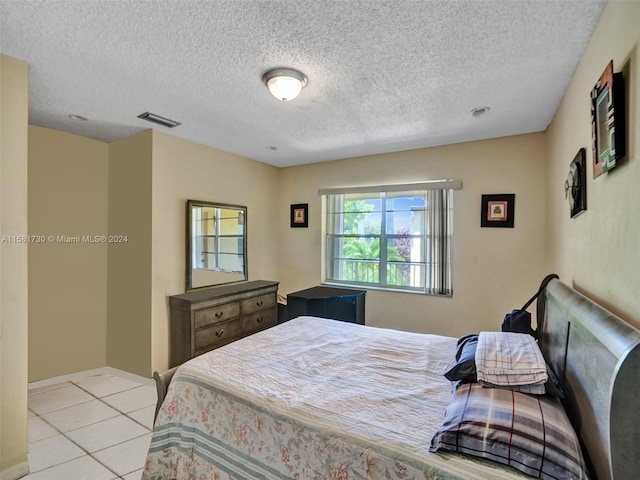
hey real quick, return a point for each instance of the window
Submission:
(398, 239)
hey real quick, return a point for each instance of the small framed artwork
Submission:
(300, 215)
(498, 210)
(575, 186)
(608, 131)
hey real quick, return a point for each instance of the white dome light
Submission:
(284, 83)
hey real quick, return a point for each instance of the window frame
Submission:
(428, 262)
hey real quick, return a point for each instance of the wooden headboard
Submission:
(596, 356)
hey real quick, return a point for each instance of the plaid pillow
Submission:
(530, 433)
(506, 359)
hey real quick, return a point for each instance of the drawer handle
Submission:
(219, 314)
(259, 319)
(220, 332)
(259, 304)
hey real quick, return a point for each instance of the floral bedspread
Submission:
(312, 399)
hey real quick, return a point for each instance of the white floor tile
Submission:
(134, 399)
(106, 433)
(137, 475)
(50, 400)
(115, 440)
(81, 415)
(144, 416)
(103, 385)
(47, 388)
(52, 451)
(39, 429)
(126, 457)
(83, 468)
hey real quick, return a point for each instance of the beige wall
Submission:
(185, 170)
(129, 263)
(598, 251)
(68, 179)
(14, 108)
(106, 304)
(494, 269)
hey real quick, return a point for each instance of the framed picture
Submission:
(607, 121)
(300, 215)
(575, 186)
(498, 210)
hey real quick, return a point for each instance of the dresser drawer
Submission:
(258, 321)
(221, 313)
(258, 303)
(217, 333)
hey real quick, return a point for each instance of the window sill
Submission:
(385, 289)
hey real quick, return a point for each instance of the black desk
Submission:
(344, 304)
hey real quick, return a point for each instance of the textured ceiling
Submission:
(383, 75)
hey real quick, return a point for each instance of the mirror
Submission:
(216, 244)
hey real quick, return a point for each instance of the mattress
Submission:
(312, 398)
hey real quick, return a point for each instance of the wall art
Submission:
(498, 210)
(575, 186)
(608, 130)
(300, 215)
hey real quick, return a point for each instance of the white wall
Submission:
(598, 251)
(494, 269)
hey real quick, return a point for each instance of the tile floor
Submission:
(94, 426)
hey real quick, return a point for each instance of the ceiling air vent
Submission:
(165, 122)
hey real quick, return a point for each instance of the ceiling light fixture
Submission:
(285, 83)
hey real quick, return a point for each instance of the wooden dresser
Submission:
(206, 319)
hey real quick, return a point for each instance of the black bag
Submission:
(519, 321)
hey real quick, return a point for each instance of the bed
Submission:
(315, 398)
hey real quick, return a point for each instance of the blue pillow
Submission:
(464, 370)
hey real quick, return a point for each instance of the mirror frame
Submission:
(189, 242)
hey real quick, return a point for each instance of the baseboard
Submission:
(15, 472)
(74, 377)
(130, 376)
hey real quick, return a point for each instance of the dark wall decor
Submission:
(575, 186)
(608, 130)
(300, 215)
(498, 210)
